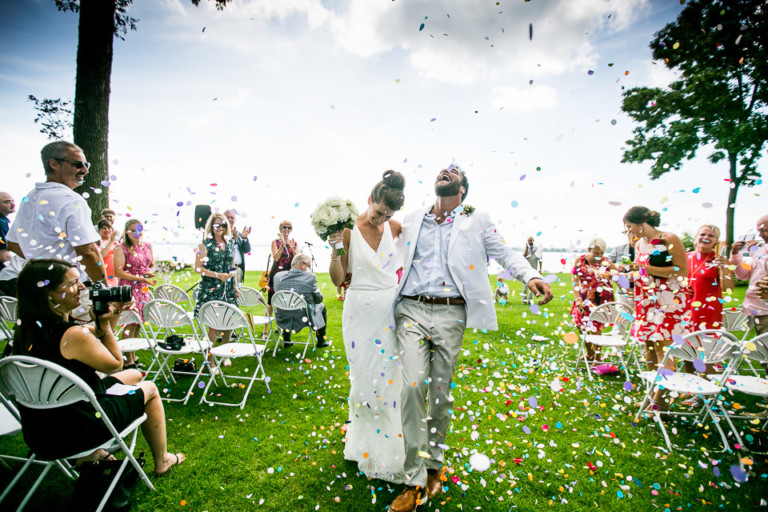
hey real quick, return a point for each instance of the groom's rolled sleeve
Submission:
(512, 261)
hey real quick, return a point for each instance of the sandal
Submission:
(180, 458)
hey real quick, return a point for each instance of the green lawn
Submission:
(579, 448)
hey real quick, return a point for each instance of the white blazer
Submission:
(473, 240)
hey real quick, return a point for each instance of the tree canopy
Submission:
(719, 50)
(100, 22)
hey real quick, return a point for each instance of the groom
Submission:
(444, 290)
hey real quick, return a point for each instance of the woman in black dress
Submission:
(49, 291)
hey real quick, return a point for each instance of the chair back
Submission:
(288, 301)
(709, 346)
(10, 421)
(222, 316)
(250, 297)
(40, 384)
(165, 318)
(735, 321)
(130, 317)
(756, 349)
(612, 313)
(172, 293)
(8, 315)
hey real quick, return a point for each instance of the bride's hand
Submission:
(336, 238)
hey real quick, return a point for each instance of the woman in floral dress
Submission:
(214, 262)
(661, 297)
(134, 267)
(592, 286)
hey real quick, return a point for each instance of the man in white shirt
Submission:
(55, 222)
(444, 290)
(242, 245)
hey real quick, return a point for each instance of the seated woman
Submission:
(592, 286)
(49, 291)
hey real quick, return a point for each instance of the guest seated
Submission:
(300, 280)
(501, 294)
(592, 286)
(49, 291)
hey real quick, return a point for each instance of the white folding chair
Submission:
(40, 384)
(10, 424)
(755, 350)
(144, 340)
(614, 315)
(252, 298)
(8, 309)
(221, 316)
(700, 348)
(165, 318)
(291, 301)
(737, 323)
(175, 294)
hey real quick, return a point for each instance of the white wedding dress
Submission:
(375, 433)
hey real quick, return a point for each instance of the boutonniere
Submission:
(467, 210)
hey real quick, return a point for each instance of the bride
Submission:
(374, 433)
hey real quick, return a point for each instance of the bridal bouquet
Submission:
(332, 215)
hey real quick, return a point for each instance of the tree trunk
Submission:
(733, 191)
(94, 69)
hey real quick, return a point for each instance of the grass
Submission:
(576, 449)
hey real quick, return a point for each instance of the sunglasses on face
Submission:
(223, 225)
(76, 163)
(289, 228)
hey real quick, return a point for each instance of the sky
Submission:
(271, 107)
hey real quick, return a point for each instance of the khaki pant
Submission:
(430, 337)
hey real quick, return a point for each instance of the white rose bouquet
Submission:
(332, 215)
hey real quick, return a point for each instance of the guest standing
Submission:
(534, 256)
(107, 245)
(661, 269)
(214, 264)
(242, 245)
(755, 308)
(708, 276)
(134, 267)
(284, 248)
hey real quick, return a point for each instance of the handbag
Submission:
(94, 480)
(184, 366)
(173, 342)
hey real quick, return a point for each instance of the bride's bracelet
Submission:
(337, 258)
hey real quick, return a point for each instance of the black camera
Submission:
(101, 295)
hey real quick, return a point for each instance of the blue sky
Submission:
(282, 104)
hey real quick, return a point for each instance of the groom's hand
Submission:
(539, 288)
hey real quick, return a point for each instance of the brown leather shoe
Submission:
(409, 499)
(434, 484)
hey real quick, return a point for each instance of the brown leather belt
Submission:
(444, 301)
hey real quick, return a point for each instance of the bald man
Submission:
(7, 207)
(753, 306)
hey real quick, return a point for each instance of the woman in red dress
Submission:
(708, 276)
(661, 298)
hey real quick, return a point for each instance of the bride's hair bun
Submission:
(393, 179)
(390, 190)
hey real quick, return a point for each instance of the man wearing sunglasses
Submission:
(7, 207)
(55, 222)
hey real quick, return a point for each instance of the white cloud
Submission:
(514, 99)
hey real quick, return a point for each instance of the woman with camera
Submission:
(134, 266)
(49, 289)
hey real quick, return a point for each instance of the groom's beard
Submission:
(447, 188)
